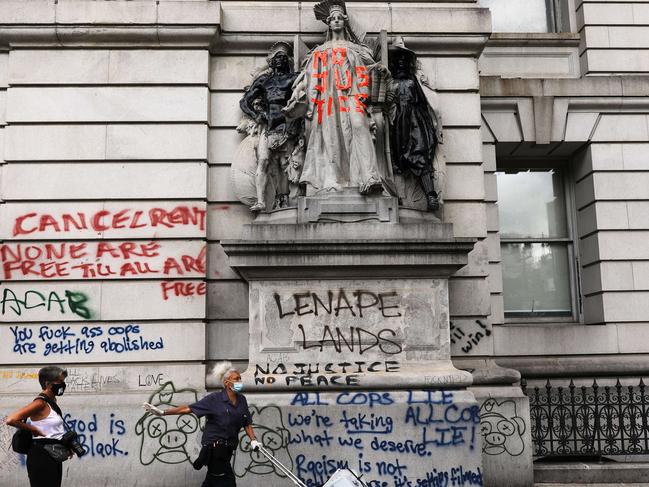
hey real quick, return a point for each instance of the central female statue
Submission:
(333, 92)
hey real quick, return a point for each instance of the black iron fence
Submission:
(589, 421)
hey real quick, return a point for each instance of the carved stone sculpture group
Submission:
(352, 117)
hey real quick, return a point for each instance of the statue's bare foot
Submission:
(259, 206)
(371, 186)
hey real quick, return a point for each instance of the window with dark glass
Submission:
(536, 244)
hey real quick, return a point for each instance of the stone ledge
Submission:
(604, 86)
(517, 39)
(578, 366)
(410, 258)
(599, 473)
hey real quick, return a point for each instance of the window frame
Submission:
(570, 241)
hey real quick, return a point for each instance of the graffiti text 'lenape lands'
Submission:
(335, 303)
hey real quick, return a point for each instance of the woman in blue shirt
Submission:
(227, 412)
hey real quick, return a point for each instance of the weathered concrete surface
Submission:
(391, 438)
(505, 430)
(348, 333)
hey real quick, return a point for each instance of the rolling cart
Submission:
(343, 477)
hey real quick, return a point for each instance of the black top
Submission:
(224, 420)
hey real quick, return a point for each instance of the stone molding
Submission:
(147, 23)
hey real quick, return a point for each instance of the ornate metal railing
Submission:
(589, 421)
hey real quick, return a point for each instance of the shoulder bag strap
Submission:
(56, 408)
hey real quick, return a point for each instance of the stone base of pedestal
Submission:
(393, 438)
(506, 436)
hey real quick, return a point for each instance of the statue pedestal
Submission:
(350, 346)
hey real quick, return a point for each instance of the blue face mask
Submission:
(237, 386)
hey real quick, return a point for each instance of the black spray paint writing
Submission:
(339, 303)
(472, 339)
(325, 374)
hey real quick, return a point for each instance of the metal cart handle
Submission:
(281, 467)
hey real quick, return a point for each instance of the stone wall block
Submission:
(104, 301)
(603, 215)
(227, 340)
(468, 219)
(55, 142)
(452, 73)
(478, 265)
(160, 141)
(493, 243)
(600, 157)
(585, 192)
(617, 60)
(623, 245)
(123, 104)
(469, 297)
(217, 264)
(21, 12)
(159, 66)
(4, 69)
(493, 218)
(222, 145)
(607, 14)
(219, 184)
(462, 145)
(53, 66)
(625, 306)
(181, 12)
(554, 340)
(225, 111)
(244, 17)
(621, 185)
(227, 300)
(413, 18)
(104, 180)
(82, 12)
(225, 221)
(622, 128)
(233, 72)
(495, 278)
(589, 249)
(460, 109)
(44, 220)
(638, 214)
(464, 182)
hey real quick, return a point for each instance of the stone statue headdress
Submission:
(280, 46)
(325, 8)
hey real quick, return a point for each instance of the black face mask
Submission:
(58, 389)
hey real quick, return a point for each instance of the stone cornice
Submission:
(233, 26)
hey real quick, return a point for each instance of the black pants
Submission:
(42, 469)
(219, 470)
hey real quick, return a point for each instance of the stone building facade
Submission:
(117, 130)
